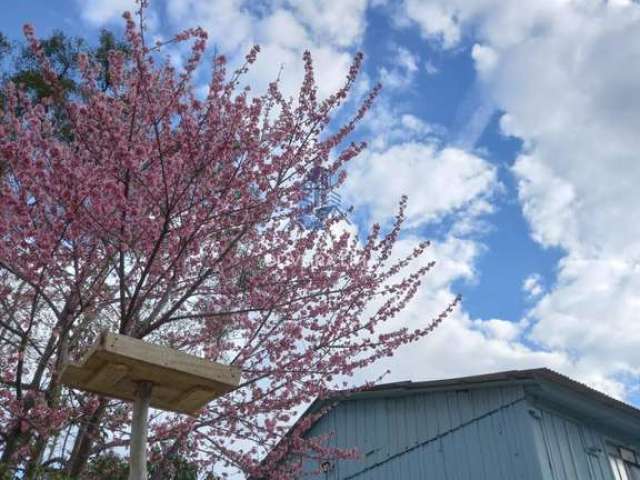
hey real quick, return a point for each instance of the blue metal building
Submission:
(516, 425)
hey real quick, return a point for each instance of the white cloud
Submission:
(485, 59)
(228, 22)
(283, 29)
(338, 22)
(504, 22)
(431, 68)
(548, 201)
(406, 59)
(593, 311)
(415, 124)
(388, 124)
(460, 345)
(497, 329)
(275, 60)
(575, 102)
(566, 74)
(100, 12)
(532, 285)
(435, 19)
(402, 71)
(437, 180)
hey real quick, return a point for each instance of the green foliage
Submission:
(41, 473)
(178, 469)
(62, 53)
(109, 466)
(6, 51)
(5, 46)
(108, 42)
(33, 82)
(4, 472)
(114, 467)
(18, 63)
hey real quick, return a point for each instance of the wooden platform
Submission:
(116, 364)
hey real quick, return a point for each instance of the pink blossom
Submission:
(176, 220)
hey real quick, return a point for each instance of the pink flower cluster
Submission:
(152, 212)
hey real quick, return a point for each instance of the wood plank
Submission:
(108, 376)
(163, 356)
(116, 365)
(193, 399)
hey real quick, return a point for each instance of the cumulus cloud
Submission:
(338, 22)
(461, 345)
(533, 286)
(548, 201)
(485, 59)
(228, 22)
(566, 74)
(505, 22)
(388, 124)
(431, 68)
(415, 125)
(100, 12)
(435, 19)
(402, 71)
(438, 181)
(283, 30)
(578, 180)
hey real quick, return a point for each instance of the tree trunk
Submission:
(35, 461)
(84, 441)
(53, 394)
(16, 438)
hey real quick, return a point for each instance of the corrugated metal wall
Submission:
(482, 434)
(572, 449)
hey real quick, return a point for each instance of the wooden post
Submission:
(139, 427)
(118, 366)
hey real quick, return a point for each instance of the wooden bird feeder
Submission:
(122, 367)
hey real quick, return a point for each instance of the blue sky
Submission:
(511, 125)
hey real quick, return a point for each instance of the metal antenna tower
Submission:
(322, 201)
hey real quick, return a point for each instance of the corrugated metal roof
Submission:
(536, 375)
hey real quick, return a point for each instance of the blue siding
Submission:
(571, 448)
(481, 434)
(476, 434)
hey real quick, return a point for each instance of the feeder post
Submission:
(139, 429)
(129, 369)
